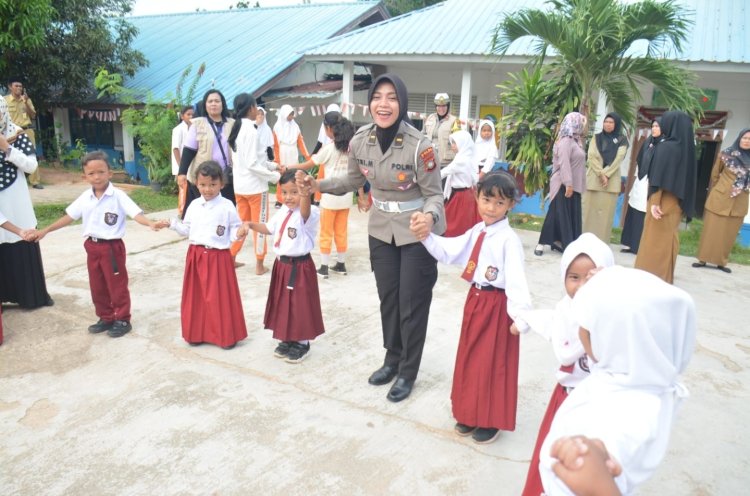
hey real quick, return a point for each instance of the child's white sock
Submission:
(341, 257)
(324, 258)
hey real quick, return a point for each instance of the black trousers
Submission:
(405, 276)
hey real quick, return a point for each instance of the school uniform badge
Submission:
(428, 158)
(291, 232)
(220, 230)
(110, 218)
(583, 362)
(491, 273)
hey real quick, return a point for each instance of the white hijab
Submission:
(265, 135)
(463, 163)
(286, 131)
(642, 336)
(323, 138)
(485, 151)
(7, 128)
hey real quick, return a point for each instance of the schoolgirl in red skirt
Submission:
(211, 305)
(293, 306)
(460, 183)
(485, 378)
(579, 258)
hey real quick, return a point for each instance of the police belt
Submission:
(395, 207)
(293, 262)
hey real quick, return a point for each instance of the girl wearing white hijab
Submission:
(638, 344)
(288, 142)
(21, 271)
(265, 134)
(461, 177)
(580, 257)
(485, 148)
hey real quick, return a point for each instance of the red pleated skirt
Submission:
(485, 379)
(461, 212)
(533, 485)
(294, 314)
(211, 304)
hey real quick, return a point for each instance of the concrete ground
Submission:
(147, 414)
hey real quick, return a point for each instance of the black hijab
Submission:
(608, 143)
(673, 166)
(646, 153)
(386, 135)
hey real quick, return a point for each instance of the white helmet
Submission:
(442, 99)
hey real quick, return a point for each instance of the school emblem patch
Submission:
(110, 218)
(220, 230)
(428, 158)
(291, 232)
(491, 273)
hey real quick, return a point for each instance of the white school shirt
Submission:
(298, 237)
(638, 198)
(251, 168)
(179, 136)
(104, 217)
(337, 165)
(211, 223)
(500, 262)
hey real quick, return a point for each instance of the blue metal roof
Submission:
(245, 50)
(463, 28)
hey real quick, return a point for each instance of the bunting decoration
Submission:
(101, 115)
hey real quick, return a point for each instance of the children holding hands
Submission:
(485, 379)
(103, 209)
(211, 309)
(293, 308)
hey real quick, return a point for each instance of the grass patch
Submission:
(689, 237)
(149, 200)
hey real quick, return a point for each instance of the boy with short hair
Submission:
(103, 208)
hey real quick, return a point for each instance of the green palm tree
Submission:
(590, 42)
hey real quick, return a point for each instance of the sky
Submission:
(150, 7)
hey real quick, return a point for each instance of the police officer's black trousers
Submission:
(405, 276)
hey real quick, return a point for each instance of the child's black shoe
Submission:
(339, 268)
(323, 271)
(282, 349)
(463, 429)
(297, 352)
(119, 328)
(101, 326)
(484, 435)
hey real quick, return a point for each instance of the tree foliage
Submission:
(151, 124)
(591, 41)
(78, 37)
(398, 7)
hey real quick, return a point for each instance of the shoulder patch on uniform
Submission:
(372, 138)
(398, 141)
(428, 158)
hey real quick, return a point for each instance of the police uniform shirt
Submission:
(407, 171)
(298, 237)
(212, 223)
(104, 217)
(500, 262)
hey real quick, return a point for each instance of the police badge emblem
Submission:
(220, 230)
(491, 273)
(110, 218)
(428, 158)
(291, 232)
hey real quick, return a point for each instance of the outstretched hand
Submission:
(585, 466)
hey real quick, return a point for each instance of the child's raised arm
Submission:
(304, 200)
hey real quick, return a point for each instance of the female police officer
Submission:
(401, 166)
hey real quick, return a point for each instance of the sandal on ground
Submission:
(699, 264)
(724, 269)
(539, 250)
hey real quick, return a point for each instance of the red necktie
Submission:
(283, 226)
(471, 266)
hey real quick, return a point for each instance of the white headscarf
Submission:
(286, 131)
(587, 244)
(323, 138)
(265, 135)
(463, 163)
(485, 150)
(642, 340)
(7, 128)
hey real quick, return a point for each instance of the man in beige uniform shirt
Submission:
(21, 110)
